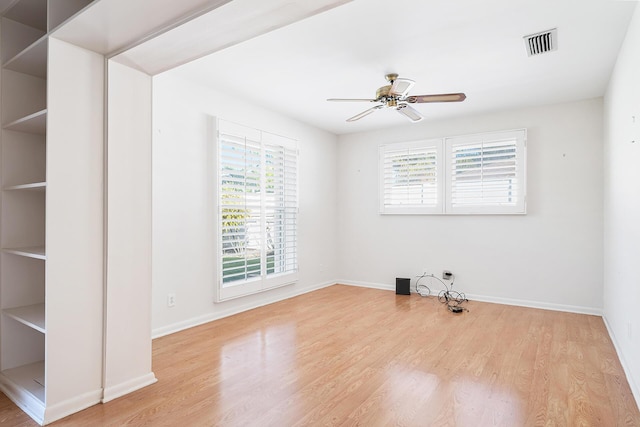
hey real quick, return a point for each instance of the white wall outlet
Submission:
(171, 300)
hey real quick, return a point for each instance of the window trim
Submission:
(264, 281)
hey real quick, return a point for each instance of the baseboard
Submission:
(367, 285)
(537, 304)
(118, 390)
(23, 400)
(71, 406)
(495, 300)
(635, 390)
(210, 317)
(46, 415)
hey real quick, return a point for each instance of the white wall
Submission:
(622, 205)
(127, 346)
(74, 266)
(184, 232)
(551, 257)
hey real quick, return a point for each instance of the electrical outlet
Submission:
(171, 300)
(446, 274)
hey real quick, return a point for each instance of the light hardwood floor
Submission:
(355, 356)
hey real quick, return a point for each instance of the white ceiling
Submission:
(467, 46)
(289, 55)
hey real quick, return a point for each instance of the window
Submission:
(486, 173)
(410, 177)
(473, 174)
(258, 209)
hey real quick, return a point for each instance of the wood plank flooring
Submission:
(346, 356)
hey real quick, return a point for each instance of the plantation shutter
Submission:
(410, 178)
(486, 173)
(258, 208)
(281, 205)
(240, 199)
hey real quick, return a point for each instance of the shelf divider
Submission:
(29, 378)
(30, 315)
(34, 186)
(37, 252)
(33, 123)
(32, 60)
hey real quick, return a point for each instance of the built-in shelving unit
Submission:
(28, 377)
(36, 252)
(35, 186)
(30, 315)
(24, 48)
(32, 60)
(31, 123)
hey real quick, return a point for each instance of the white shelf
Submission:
(33, 123)
(34, 186)
(32, 60)
(29, 378)
(62, 11)
(30, 252)
(29, 12)
(30, 315)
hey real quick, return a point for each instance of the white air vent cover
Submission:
(543, 42)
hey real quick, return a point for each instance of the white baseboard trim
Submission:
(537, 304)
(210, 317)
(46, 415)
(119, 390)
(71, 406)
(495, 300)
(635, 390)
(23, 399)
(367, 285)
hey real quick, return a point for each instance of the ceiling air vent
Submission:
(543, 42)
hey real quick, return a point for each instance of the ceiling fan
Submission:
(395, 95)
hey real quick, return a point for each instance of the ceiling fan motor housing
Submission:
(383, 92)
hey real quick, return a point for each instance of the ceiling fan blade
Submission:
(364, 113)
(401, 87)
(411, 113)
(350, 100)
(443, 97)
